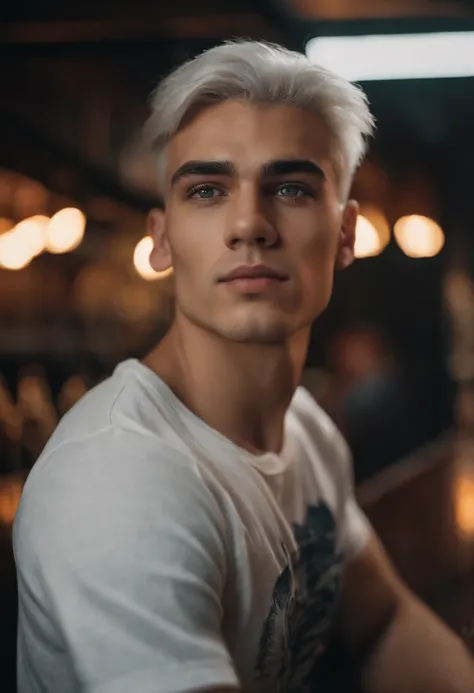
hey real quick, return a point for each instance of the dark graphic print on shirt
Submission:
(302, 605)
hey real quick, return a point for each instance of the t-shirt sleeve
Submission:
(126, 545)
(354, 527)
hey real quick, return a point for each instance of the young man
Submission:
(191, 524)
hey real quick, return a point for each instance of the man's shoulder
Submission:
(315, 420)
(115, 442)
(91, 415)
(120, 501)
(91, 486)
(326, 449)
(124, 401)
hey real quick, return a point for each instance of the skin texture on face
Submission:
(252, 185)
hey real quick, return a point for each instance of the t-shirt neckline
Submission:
(269, 463)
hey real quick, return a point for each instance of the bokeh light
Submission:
(65, 230)
(368, 242)
(71, 392)
(14, 253)
(419, 236)
(11, 488)
(464, 504)
(141, 260)
(5, 225)
(32, 232)
(378, 219)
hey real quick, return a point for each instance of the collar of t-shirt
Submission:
(267, 463)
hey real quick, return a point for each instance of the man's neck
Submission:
(241, 390)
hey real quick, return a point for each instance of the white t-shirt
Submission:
(155, 556)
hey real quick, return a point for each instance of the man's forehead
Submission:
(241, 131)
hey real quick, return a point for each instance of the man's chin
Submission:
(252, 326)
(254, 333)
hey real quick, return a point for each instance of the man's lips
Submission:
(253, 279)
(250, 272)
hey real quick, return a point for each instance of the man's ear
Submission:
(345, 251)
(160, 257)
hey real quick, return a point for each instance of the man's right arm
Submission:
(130, 555)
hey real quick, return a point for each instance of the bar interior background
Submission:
(392, 360)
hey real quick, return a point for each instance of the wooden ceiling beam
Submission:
(377, 9)
(125, 29)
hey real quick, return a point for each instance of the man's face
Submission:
(253, 223)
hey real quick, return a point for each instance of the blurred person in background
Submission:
(370, 399)
(191, 524)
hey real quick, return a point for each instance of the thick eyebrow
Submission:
(203, 168)
(285, 167)
(278, 167)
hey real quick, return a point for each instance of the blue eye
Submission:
(204, 192)
(291, 191)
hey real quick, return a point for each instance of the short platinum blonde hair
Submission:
(259, 72)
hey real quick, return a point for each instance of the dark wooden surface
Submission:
(8, 607)
(412, 507)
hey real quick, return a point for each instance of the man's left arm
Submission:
(398, 643)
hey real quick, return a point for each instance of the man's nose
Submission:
(250, 221)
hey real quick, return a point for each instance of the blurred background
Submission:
(392, 360)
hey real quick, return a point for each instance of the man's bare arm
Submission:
(399, 644)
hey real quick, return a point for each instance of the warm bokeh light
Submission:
(368, 242)
(378, 219)
(14, 253)
(65, 230)
(5, 225)
(32, 232)
(141, 260)
(10, 492)
(71, 392)
(419, 236)
(464, 504)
